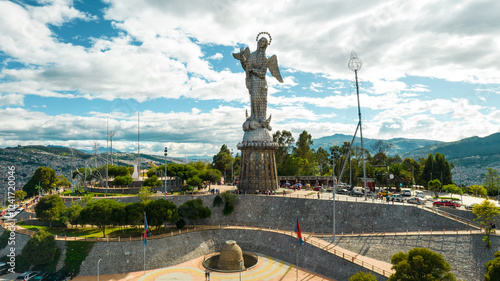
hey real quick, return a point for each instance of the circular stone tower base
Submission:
(258, 166)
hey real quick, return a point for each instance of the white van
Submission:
(357, 191)
(419, 193)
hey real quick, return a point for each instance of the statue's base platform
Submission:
(258, 166)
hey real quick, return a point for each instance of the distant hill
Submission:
(469, 147)
(399, 145)
(57, 150)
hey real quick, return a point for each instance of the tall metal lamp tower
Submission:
(355, 65)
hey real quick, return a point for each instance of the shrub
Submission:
(152, 181)
(180, 224)
(229, 202)
(217, 201)
(123, 180)
(40, 249)
(76, 253)
(361, 276)
(4, 239)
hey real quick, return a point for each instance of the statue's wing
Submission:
(246, 53)
(241, 54)
(272, 64)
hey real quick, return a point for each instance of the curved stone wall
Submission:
(120, 257)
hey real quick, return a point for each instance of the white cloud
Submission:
(11, 99)
(217, 56)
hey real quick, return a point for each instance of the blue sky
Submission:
(67, 68)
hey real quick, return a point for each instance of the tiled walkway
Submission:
(268, 269)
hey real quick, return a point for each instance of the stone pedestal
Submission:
(258, 166)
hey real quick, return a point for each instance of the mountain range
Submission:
(471, 157)
(399, 145)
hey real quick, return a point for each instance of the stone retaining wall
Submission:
(466, 254)
(119, 257)
(316, 215)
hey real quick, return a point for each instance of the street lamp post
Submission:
(232, 170)
(333, 193)
(165, 179)
(98, 268)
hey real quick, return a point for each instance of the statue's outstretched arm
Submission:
(272, 64)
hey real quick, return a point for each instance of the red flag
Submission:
(299, 234)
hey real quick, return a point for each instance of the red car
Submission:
(446, 203)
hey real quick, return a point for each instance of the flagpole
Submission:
(144, 259)
(297, 263)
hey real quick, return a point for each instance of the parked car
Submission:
(419, 193)
(416, 200)
(3, 268)
(28, 275)
(469, 207)
(357, 191)
(383, 192)
(396, 198)
(58, 276)
(446, 203)
(342, 191)
(41, 276)
(406, 192)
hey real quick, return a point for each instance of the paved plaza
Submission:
(268, 268)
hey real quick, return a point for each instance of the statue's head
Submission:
(262, 43)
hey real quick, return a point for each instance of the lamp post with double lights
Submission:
(165, 179)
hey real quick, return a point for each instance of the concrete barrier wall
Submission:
(119, 257)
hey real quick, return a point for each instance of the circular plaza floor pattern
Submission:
(268, 268)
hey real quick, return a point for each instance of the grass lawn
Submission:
(93, 232)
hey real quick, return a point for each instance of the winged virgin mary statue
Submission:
(255, 65)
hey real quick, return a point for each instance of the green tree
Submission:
(362, 276)
(72, 213)
(303, 145)
(50, 208)
(43, 176)
(19, 195)
(434, 186)
(61, 180)
(476, 189)
(222, 162)
(122, 180)
(152, 181)
(161, 211)
(401, 176)
(145, 194)
(420, 264)
(99, 213)
(40, 249)
(493, 269)
(194, 210)
(195, 181)
(323, 159)
(211, 176)
(486, 213)
(135, 213)
(437, 167)
(492, 182)
(451, 188)
(285, 142)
